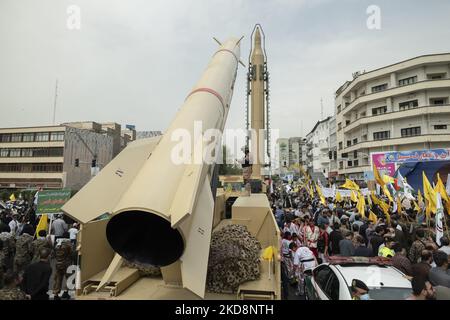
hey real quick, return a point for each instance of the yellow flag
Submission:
(388, 217)
(441, 188)
(429, 193)
(369, 201)
(349, 184)
(387, 193)
(338, 196)
(12, 197)
(399, 205)
(372, 217)
(420, 198)
(388, 179)
(353, 196)
(42, 225)
(361, 206)
(268, 253)
(377, 176)
(416, 207)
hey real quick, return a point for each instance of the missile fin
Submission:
(194, 265)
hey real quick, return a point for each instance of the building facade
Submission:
(317, 142)
(295, 151)
(404, 106)
(51, 156)
(283, 154)
(332, 152)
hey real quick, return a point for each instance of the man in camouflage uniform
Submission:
(24, 250)
(41, 242)
(417, 247)
(10, 290)
(63, 257)
(7, 246)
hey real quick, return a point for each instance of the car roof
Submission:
(374, 276)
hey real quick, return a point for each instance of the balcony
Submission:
(424, 138)
(323, 145)
(419, 111)
(397, 91)
(415, 62)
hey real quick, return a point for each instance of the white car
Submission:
(332, 280)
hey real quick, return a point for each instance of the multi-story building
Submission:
(51, 156)
(283, 154)
(403, 106)
(332, 153)
(317, 142)
(295, 151)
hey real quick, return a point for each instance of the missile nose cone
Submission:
(257, 37)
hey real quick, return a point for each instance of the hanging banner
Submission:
(51, 201)
(379, 160)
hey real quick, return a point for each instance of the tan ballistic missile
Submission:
(161, 212)
(257, 104)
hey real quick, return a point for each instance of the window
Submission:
(347, 122)
(42, 136)
(14, 153)
(440, 127)
(46, 167)
(355, 163)
(349, 143)
(339, 126)
(28, 137)
(5, 138)
(379, 110)
(339, 109)
(322, 275)
(438, 101)
(408, 105)
(406, 81)
(436, 76)
(332, 289)
(355, 154)
(9, 167)
(340, 145)
(355, 141)
(379, 88)
(4, 153)
(341, 165)
(57, 136)
(409, 132)
(349, 163)
(27, 152)
(16, 137)
(381, 135)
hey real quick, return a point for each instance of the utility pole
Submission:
(54, 101)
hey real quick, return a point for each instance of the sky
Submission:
(135, 61)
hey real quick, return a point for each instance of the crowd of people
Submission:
(28, 259)
(314, 228)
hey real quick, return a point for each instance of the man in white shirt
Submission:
(73, 234)
(13, 225)
(304, 260)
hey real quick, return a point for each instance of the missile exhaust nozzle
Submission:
(144, 238)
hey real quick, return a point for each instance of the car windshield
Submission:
(386, 293)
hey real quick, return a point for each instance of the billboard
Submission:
(384, 166)
(51, 201)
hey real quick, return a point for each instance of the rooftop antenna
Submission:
(54, 102)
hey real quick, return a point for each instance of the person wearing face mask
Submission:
(360, 291)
